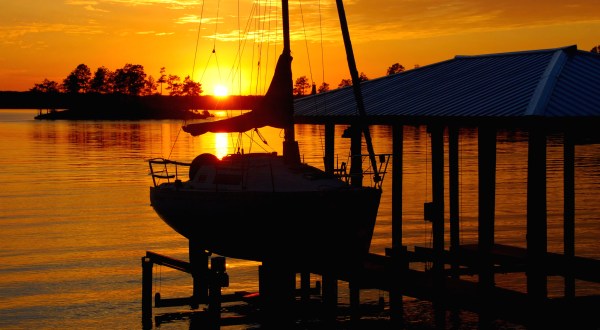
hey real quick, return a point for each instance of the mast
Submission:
(356, 86)
(291, 152)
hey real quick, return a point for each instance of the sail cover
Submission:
(275, 109)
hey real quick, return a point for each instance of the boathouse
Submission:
(542, 92)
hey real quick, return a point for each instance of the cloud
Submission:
(195, 19)
(92, 8)
(155, 33)
(18, 31)
(89, 5)
(172, 4)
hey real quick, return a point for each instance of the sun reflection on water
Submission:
(221, 145)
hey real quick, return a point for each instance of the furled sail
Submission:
(275, 109)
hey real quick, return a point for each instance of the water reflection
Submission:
(76, 218)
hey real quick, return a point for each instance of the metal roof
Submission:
(548, 83)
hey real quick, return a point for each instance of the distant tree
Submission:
(191, 87)
(150, 86)
(596, 49)
(130, 79)
(174, 85)
(348, 82)
(301, 86)
(103, 81)
(46, 86)
(323, 88)
(345, 83)
(395, 68)
(78, 81)
(162, 79)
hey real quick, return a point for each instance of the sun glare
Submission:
(220, 90)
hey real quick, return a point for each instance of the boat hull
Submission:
(330, 228)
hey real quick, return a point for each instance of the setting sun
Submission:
(220, 90)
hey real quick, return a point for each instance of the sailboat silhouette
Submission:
(262, 206)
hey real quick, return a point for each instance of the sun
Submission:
(220, 90)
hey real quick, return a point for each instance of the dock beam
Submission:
(207, 284)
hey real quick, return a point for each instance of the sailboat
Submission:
(266, 206)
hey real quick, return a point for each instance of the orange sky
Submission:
(42, 39)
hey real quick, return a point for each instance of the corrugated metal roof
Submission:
(560, 82)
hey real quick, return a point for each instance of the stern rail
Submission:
(161, 169)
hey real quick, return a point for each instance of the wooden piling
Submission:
(437, 222)
(146, 291)
(569, 209)
(397, 251)
(329, 298)
(200, 273)
(277, 286)
(487, 209)
(537, 216)
(329, 148)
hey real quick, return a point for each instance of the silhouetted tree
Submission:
(395, 68)
(174, 85)
(191, 87)
(345, 83)
(46, 86)
(162, 79)
(596, 49)
(150, 86)
(323, 88)
(348, 82)
(301, 86)
(103, 81)
(130, 79)
(78, 81)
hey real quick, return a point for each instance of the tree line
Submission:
(302, 84)
(132, 80)
(128, 80)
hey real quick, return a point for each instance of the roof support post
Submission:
(537, 236)
(569, 210)
(486, 140)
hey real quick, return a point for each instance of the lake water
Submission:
(76, 219)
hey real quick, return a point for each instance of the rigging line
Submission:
(176, 138)
(239, 48)
(260, 136)
(306, 42)
(261, 28)
(214, 50)
(252, 58)
(216, 24)
(270, 6)
(198, 39)
(237, 62)
(322, 50)
(264, 48)
(322, 72)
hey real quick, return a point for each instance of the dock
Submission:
(391, 273)
(450, 275)
(540, 96)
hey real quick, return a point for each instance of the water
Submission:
(76, 219)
